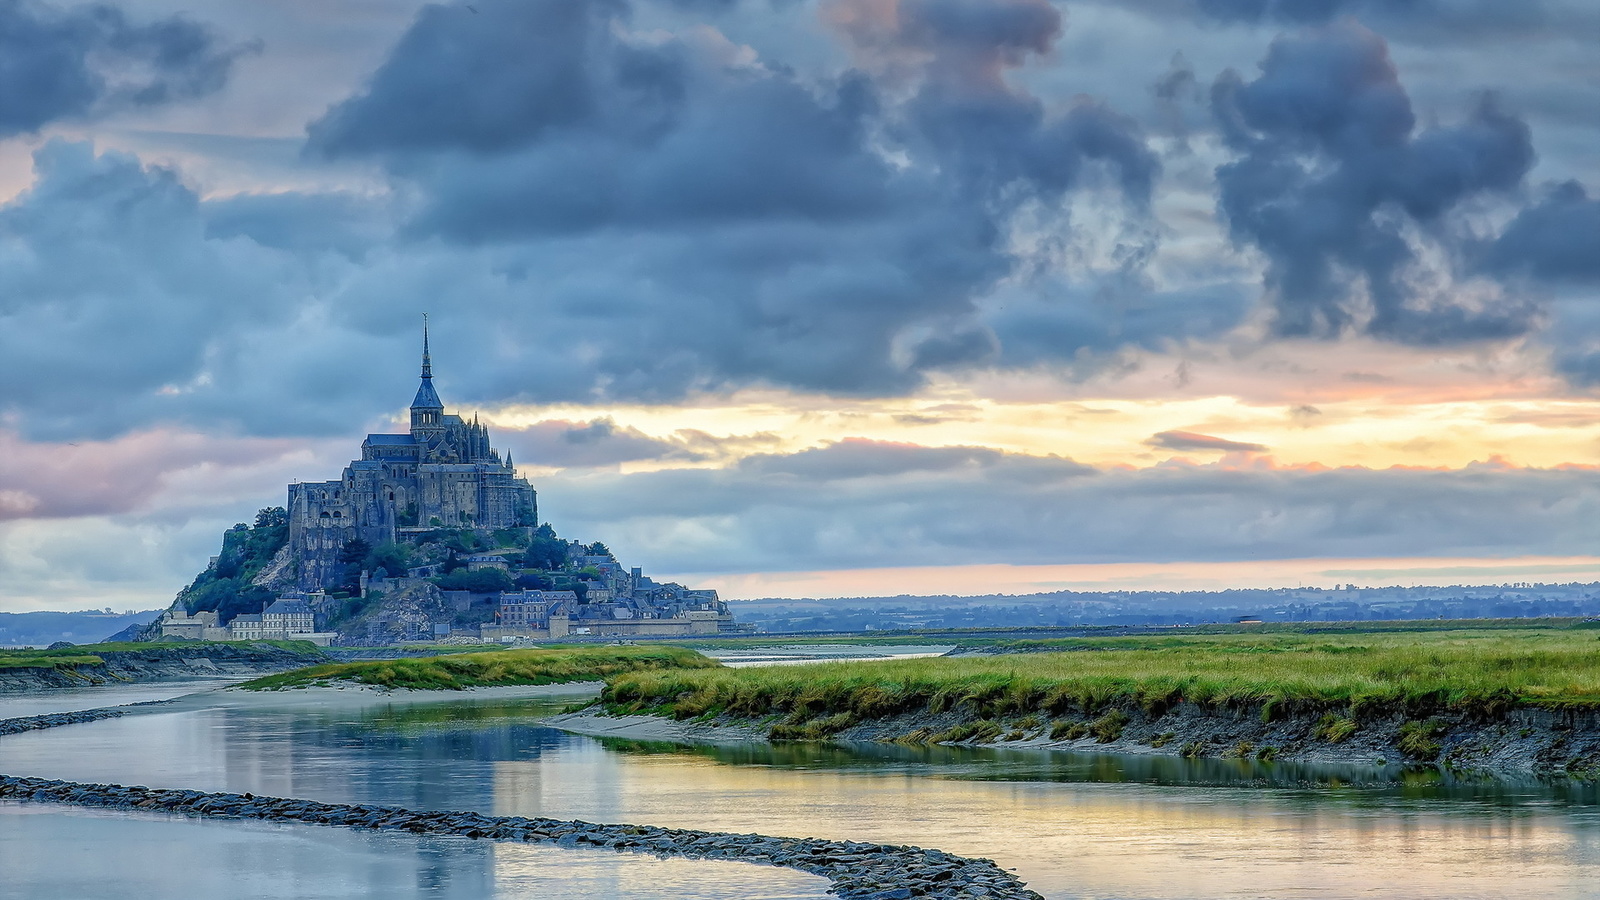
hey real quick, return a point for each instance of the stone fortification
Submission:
(442, 473)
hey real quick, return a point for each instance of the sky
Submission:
(817, 297)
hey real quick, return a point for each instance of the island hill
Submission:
(430, 535)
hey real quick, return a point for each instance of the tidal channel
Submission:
(1072, 825)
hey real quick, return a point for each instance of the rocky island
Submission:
(431, 536)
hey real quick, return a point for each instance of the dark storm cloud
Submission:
(1190, 441)
(1333, 177)
(71, 63)
(845, 506)
(830, 234)
(1556, 240)
(578, 129)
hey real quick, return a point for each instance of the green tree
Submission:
(392, 558)
(535, 581)
(545, 551)
(480, 581)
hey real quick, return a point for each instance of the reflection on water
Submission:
(50, 852)
(92, 696)
(1341, 783)
(1073, 825)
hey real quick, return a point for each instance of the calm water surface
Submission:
(1074, 826)
(115, 694)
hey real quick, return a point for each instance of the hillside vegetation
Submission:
(500, 667)
(1412, 672)
(227, 586)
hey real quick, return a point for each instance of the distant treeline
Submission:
(1068, 608)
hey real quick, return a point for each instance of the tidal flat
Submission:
(1070, 824)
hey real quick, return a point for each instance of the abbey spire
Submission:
(427, 410)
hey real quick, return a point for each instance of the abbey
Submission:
(442, 473)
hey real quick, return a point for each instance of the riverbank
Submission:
(1509, 701)
(493, 668)
(96, 664)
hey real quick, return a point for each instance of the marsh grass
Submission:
(499, 667)
(1479, 669)
(25, 660)
(1420, 740)
(95, 654)
(1335, 729)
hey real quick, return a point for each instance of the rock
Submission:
(858, 871)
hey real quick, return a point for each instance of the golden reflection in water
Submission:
(523, 870)
(1091, 840)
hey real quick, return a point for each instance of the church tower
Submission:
(427, 411)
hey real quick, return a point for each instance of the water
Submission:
(113, 694)
(802, 654)
(1074, 826)
(51, 852)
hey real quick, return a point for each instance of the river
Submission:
(1074, 826)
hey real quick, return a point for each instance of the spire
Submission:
(426, 408)
(427, 361)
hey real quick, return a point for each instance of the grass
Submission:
(499, 667)
(94, 654)
(26, 660)
(1411, 670)
(1420, 740)
(1335, 729)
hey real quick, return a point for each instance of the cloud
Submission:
(862, 458)
(1554, 240)
(758, 225)
(117, 311)
(874, 505)
(86, 61)
(1442, 19)
(1189, 440)
(600, 442)
(1348, 201)
(96, 478)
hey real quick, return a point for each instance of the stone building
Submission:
(441, 473)
(202, 626)
(288, 618)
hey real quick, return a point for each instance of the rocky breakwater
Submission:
(51, 720)
(859, 871)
